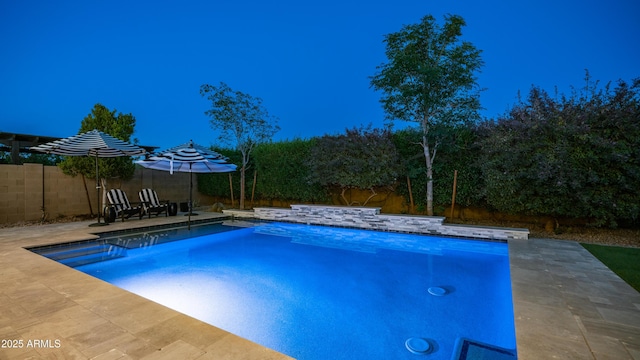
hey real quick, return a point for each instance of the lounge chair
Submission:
(120, 203)
(151, 204)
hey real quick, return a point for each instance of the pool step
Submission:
(83, 253)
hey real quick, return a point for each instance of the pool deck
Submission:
(567, 305)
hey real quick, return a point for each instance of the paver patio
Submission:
(567, 305)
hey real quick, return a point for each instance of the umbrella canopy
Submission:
(188, 157)
(92, 143)
(191, 158)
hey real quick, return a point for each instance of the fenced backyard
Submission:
(33, 192)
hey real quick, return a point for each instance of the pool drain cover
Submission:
(418, 346)
(437, 291)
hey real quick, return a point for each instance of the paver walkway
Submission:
(568, 305)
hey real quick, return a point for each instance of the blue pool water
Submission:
(315, 292)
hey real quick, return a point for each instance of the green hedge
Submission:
(218, 184)
(576, 157)
(566, 157)
(283, 172)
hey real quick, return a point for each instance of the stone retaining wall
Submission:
(370, 218)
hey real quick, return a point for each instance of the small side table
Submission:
(173, 209)
(109, 214)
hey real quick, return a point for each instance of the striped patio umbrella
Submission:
(191, 158)
(92, 143)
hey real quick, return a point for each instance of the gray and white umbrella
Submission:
(191, 158)
(92, 143)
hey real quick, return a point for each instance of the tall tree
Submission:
(430, 79)
(118, 125)
(240, 118)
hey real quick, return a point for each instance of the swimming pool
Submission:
(316, 292)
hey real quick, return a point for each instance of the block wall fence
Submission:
(25, 189)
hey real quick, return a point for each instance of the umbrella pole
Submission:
(190, 198)
(98, 187)
(98, 192)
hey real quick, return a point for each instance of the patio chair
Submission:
(151, 204)
(121, 205)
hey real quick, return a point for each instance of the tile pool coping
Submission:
(566, 305)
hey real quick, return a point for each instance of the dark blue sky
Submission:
(308, 61)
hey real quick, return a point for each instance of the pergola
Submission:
(21, 143)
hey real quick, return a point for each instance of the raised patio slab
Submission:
(370, 218)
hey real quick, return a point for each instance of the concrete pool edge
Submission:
(45, 300)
